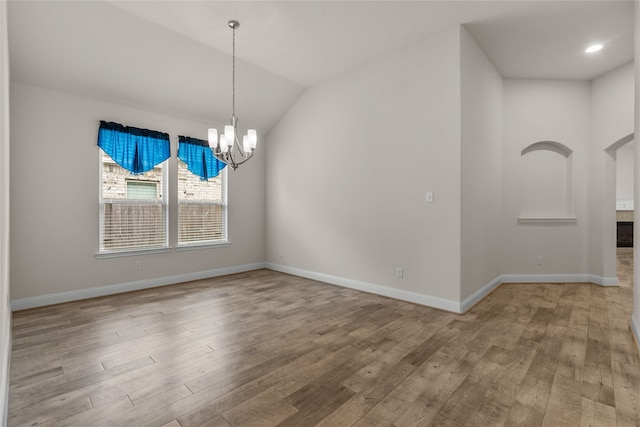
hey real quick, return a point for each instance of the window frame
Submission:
(224, 203)
(163, 201)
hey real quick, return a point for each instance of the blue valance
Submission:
(198, 156)
(136, 150)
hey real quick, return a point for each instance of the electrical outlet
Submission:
(399, 272)
(539, 260)
(138, 265)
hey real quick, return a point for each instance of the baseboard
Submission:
(442, 303)
(422, 299)
(414, 297)
(605, 281)
(560, 278)
(478, 295)
(61, 297)
(635, 332)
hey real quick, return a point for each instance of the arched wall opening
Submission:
(609, 206)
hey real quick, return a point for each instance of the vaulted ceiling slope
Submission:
(94, 49)
(173, 56)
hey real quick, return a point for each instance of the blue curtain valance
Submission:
(198, 156)
(137, 150)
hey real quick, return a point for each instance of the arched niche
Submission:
(546, 183)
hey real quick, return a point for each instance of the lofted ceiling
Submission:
(173, 56)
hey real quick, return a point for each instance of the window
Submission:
(202, 208)
(133, 188)
(133, 206)
(202, 198)
(133, 211)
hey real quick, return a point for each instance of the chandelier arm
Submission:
(229, 159)
(238, 144)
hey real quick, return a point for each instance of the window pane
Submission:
(202, 210)
(116, 180)
(133, 226)
(133, 212)
(142, 190)
(201, 223)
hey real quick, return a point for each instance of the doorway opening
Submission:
(619, 210)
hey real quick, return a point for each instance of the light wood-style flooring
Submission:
(265, 349)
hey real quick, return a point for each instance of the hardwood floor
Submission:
(264, 349)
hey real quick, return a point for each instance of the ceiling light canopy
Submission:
(226, 147)
(594, 48)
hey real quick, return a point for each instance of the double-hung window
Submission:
(133, 188)
(202, 201)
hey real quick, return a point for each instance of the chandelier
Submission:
(226, 147)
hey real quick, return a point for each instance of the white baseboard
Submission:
(442, 303)
(605, 281)
(478, 295)
(418, 298)
(61, 297)
(414, 297)
(422, 299)
(560, 278)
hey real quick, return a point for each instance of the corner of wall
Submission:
(5, 312)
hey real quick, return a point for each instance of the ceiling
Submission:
(173, 56)
(310, 41)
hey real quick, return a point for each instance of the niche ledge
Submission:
(548, 220)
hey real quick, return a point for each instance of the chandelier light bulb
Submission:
(213, 138)
(230, 134)
(223, 143)
(253, 138)
(245, 144)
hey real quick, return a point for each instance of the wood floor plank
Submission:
(596, 414)
(265, 348)
(427, 405)
(626, 380)
(565, 402)
(96, 415)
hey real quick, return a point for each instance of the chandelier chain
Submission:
(233, 75)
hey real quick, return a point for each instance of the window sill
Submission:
(560, 220)
(118, 254)
(195, 247)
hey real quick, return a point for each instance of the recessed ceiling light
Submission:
(593, 48)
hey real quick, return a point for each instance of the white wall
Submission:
(349, 167)
(5, 309)
(481, 168)
(54, 199)
(535, 111)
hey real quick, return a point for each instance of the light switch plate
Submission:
(429, 198)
